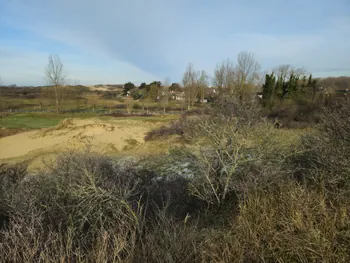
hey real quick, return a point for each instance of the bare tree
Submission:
(224, 76)
(247, 71)
(190, 84)
(299, 72)
(202, 83)
(165, 94)
(55, 76)
(219, 76)
(284, 71)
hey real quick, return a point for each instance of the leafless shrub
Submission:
(89, 206)
(175, 128)
(324, 161)
(247, 109)
(10, 177)
(284, 223)
(171, 241)
(235, 157)
(228, 196)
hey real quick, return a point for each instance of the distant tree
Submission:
(202, 84)
(224, 77)
(309, 81)
(127, 87)
(157, 83)
(220, 76)
(293, 87)
(55, 76)
(298, 72)
(190, 84)
(312, 86)
(247, 72)
(135, 94)
(283, 71)
(175, 87)
(269, 90)
(143, 85)
(164, 99)
(153, 93)
(303, 83)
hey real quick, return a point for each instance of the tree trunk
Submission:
(56, 97)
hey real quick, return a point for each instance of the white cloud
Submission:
(141, 40)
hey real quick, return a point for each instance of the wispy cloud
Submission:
(113, 40)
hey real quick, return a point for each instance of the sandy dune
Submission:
(103, 136)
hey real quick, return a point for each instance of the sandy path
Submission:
(70, 134)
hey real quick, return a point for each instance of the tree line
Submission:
(239, 80)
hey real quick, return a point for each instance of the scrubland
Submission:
(218, 185)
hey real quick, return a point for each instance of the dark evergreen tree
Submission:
(269, 90)
(143, 85)
(127, 87)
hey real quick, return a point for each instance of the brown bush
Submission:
(235, 193)
(324, 161)
(286, 223)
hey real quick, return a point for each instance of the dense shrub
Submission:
(81, 200)
(296, 114)
(285, 223)
(10, 178)
(324, 161)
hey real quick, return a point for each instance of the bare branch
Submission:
(224, 76)
(247, 71)
(55, 76)
(190, 84)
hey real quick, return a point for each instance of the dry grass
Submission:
(240, 191)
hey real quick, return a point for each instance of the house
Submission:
(177, 95)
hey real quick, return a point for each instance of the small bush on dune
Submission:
(180, 127)
(235, 156)
(175, 128)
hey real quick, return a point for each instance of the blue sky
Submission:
(115, 41)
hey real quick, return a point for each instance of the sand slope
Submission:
(71, 134)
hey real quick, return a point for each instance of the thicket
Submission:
(235, 193)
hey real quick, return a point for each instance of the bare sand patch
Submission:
(102, 136)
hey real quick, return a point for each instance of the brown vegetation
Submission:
(238, 192)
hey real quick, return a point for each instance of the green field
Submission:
(45, 120)
(29, 121)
